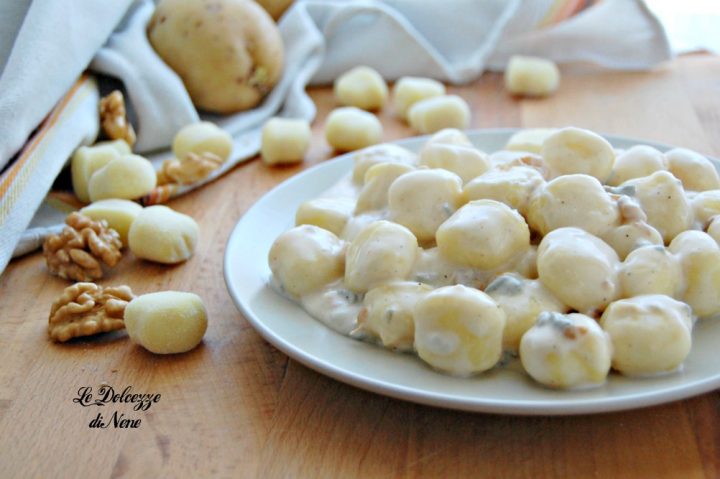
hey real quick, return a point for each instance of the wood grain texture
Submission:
(236, 407)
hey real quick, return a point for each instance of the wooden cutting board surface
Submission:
(236, 407)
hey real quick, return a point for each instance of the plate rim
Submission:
(534, 407)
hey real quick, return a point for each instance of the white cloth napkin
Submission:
(451, 40)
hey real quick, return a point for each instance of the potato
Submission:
(229, 53)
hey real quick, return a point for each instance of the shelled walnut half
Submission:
(194, 167)
(86, 308)
(113, 118)
(77, 251)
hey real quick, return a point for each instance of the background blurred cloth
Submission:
(45, 45)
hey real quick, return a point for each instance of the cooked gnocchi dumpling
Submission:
(579, 258)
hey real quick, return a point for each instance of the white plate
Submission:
(502, 390)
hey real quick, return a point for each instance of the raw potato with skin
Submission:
(229, 53)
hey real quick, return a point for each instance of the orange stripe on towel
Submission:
(30, 147)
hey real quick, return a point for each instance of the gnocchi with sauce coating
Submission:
(574, 150)
(650, 270)
(306, 258)
(514, 187)
(374, 155)
(331, 214)
(522, 300)
(422, 200)
(552, 250)
(695, 171)
(483, 234)
(636, 162)
(650, 334)
(389, 313)
(573, 200)
(465, 161)
(566, 351)
(458, 330)
(579, 268)
(382, 252)
(378, 178)
(663, 200)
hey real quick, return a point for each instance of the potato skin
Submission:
(228, 53)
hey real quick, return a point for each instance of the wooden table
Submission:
(235, 406)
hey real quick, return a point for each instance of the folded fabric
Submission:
(454, 41)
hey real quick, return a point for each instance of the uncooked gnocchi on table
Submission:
(580, 259)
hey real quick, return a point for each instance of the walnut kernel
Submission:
(113, 118)
(194, 167)
(86, 308)
(77, 251)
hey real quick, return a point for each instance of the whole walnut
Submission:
(228, 53)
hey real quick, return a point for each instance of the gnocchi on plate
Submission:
(578, 259)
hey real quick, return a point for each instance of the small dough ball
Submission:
(229, 54)
(167, 322)
(690, 242)
(522, 300)
(306, 258)
(530, 139)
(382, 252)
(421, 200)
(285, 141)
(88, 159)
(650, 270)
(410, 90)
(458, 330)
(514, 187)
(579, 268)
(573, 200)
(531, 76)
(331, 214)
(574, 150)
(483, 234)
(361, 87)
(448, 136)
(696, 172)
(163, 235)
(389, 313)
(349, 128)
(126, 177)
(663, 200)
(651, 334)
(119, 214)
(705, 206)
(636, 162)
(630, 236)
(439, 112)
(699, 256)
(378, 178)
(384, 153)
(465, 161)
(566, 351)
(202, 137)
(713, 229)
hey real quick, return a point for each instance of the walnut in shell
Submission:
(78, 250)
(86, 308)
(113, 118)
(194, 167)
